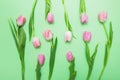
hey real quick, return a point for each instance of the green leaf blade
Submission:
(111, 34)
(38, 73)
(87, 54)
(72, 70)
(31, 21)
(22, 42)
(47, 8)
(94, 54)
(52, 58)
(14, 36)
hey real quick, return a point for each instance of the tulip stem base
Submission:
(103, 69)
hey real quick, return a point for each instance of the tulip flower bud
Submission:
(50, 17)
(21, 20)
(41, 59)
(84, 18)
(102, 16)
(69, 56)
(87, 36)
(68, 36)
(47, 34)
(36, 42)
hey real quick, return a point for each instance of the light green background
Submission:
(10, 68)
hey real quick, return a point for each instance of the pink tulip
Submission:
(87, 36)
(41, 59)
(69, 56)
(47, 34)
(68, 36)
(36, 42)
(84, 18)
(50, 17)
(21, 20)
(102, 16)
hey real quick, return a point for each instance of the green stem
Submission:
(38, 72)
(89, 74)
(105, 29)
(103, 69)
(23, 70)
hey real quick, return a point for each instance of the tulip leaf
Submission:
(14, 35)
(22, 41)
(62, 1)
(72, 70)
(94, 54)
(47, 8)
(38, 73)
(14, 26)
(68, 25)
(111, 34)
(52, 58)
(31, 21)
(88, 54)
(107, 53)
(82, 6)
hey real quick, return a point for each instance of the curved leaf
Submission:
(13, 31)
(52, 58)
(94, 54)
(22, 42)
(88, 54)
(82, 6)
(38, 73)
(111, 34)
(47, 8)
(72, 70)
(31, 21)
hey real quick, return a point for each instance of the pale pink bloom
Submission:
(21, 20)
(69, 56)
(50, 17)
(68, 36)
(41, 59)
(36, 42)
(87, 36)
(47, 34)
(84, 18)
(102, 16)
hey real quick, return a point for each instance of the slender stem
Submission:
(103, 69)
(89, 74)
(23, 69)
(105, 29)
(38, 72)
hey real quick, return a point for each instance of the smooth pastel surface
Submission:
(50, 17)
(36, 42)
(10, 67)
(41, 59)
(21, 20)
(102, 16)
(68, 36)
(84, 18)
(87, 36)
(47, 34)
(69, 56)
